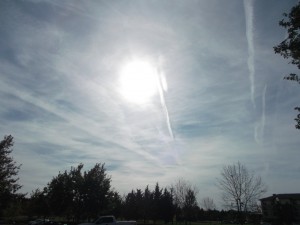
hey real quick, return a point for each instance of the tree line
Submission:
(77, 195)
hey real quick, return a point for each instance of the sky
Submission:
(73, 89)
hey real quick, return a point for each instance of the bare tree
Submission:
(180, 190)
(241, 188)
(184, 198)
(207, 204)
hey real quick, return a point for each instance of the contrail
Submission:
(263, 117)
(163, 103)
(260, 128)
(248, 6)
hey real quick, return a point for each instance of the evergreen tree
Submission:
(190, 205)
(114, 204)
(8, 173)
(75, 194)
(157, 208)
(130, 206)
(167, 206)
(147, 204)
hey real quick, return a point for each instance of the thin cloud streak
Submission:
(248, 6)
(259, 128)
(75, 119)
(263, 118)
(60, 99)
(163, 104)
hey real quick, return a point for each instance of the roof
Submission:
(282, 196)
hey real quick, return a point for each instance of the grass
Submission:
(190, 223)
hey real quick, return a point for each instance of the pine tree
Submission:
(8, 173)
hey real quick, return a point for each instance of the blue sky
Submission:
(225, 101)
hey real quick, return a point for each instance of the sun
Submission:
(138, 81)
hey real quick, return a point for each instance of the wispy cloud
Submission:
(60, 100)
(163, 102)
(248, 6)
(260, 126)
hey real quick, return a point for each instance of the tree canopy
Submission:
(76, 194)
(289, 48)
(149, 205)
(8, 172)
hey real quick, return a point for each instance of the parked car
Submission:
(43, 222)
(35, 222)
(109, 220)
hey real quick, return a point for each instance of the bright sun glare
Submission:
(138, 81)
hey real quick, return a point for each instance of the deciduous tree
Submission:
(289, 48)
(60, 195)
(184, 196)
(240, 188)
(96, 189)
(38, 204)
(208, 204)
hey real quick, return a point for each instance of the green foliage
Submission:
(76, 194)
(16, 207)
(8, 173)
(60, 194)
(114, 204)
(96, 186)
(38, 204)
(130, 206)
(290, 47)
(153, 205)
